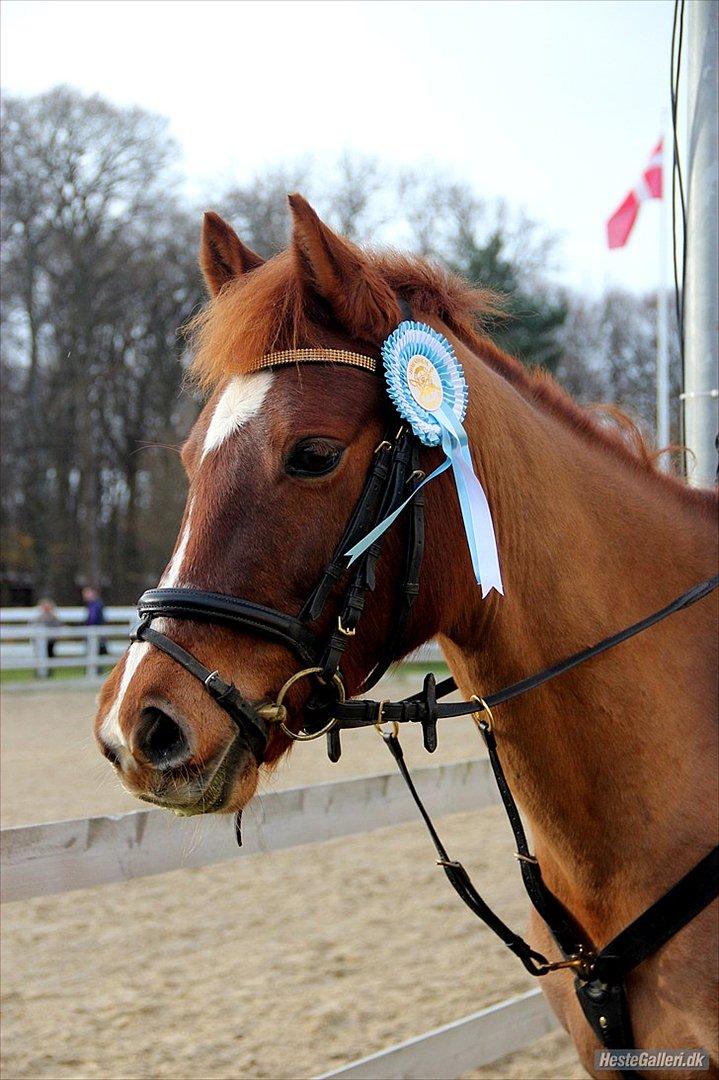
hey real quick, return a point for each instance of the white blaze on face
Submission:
(241, 399)
(171, 578)
(111, 730)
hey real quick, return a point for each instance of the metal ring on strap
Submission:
(300, 736)
(482, 721)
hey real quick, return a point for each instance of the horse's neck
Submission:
(601, 758)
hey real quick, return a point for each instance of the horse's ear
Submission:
(223, 256)
(339, 273)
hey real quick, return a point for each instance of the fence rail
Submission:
(37, 860)
(62, 856)
(124, 614)
(42, 649)
(27, 645)
(449, 1051)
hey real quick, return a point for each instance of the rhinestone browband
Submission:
(317, 356)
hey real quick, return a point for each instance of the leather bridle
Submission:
(394, 473)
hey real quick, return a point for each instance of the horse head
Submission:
(276, 464)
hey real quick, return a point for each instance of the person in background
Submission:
(47, 616)
(95, 613)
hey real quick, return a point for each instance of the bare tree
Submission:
(83, 183)
(609, 354)
(99, 272)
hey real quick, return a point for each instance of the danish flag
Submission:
(622, 220)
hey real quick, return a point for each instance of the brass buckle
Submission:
(580, 962)
(378, 722)
(343, 629)
(417, 474)
(482, 724)
(279, 712)
(384, 445)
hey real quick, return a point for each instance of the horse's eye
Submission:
(313, 457)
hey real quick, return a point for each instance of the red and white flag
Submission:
(622, 220)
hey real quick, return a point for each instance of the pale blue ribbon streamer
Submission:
(473, 503)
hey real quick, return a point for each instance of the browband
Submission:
(329, 356)
(318, 356)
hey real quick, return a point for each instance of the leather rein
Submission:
(394, 473)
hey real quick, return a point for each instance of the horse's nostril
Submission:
(160, 740)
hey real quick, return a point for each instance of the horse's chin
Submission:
(228, 790)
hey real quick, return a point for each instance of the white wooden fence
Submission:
(25, 643)
(38, 860)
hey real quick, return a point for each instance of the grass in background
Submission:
(28, 675)
(413, 670)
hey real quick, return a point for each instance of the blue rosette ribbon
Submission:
(426, 384)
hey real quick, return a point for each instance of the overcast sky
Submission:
(553, 105)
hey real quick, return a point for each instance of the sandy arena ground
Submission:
(282, 965)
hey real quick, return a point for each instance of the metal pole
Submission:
(701, 287)
(663, 436)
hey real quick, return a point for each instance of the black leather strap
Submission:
(606, 1009)
(409, 587)
(359, 525)
(660, 922)
(600, 984)
(564, 928)
(250, 726)
(231, 611)
(362, 580)
(352, 714)
(459, 878)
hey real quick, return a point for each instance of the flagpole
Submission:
(701, 286)
(663, 389)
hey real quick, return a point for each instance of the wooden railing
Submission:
(25, 643)
(38, 860)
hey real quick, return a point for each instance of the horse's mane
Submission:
(268, 310)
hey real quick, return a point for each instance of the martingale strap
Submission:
(631, 947)
(535, 962)
(600, 976)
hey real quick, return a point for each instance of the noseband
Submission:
(394, 474)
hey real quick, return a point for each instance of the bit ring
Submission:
(299, 736)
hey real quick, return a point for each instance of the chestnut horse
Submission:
(614, 763)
